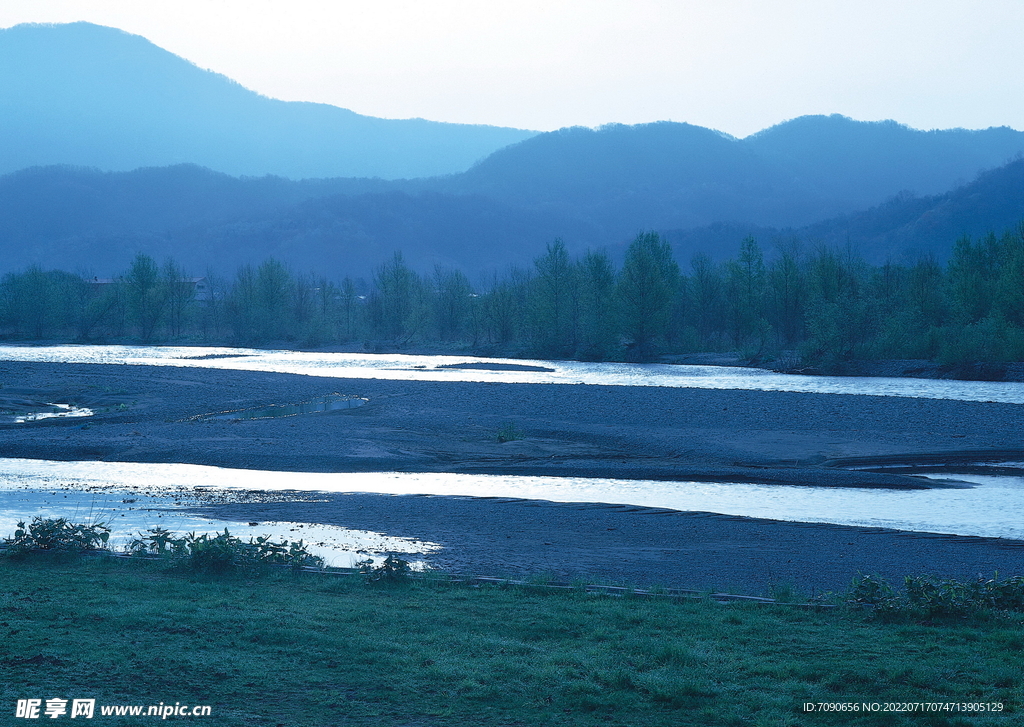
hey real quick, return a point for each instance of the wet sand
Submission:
(154, 414)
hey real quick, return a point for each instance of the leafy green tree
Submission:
(838, 320)
(746, 286)
(1009, 291)
(897, 329)
(972, 274)
(647, 287)
(925, 292)
(146, 294)
(554, 303)
(397, 303)
(705, 291)
(599, 328)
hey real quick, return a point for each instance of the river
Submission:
(100, 490)
(469, 368)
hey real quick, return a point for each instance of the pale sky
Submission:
(733, 65)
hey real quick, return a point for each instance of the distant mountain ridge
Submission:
(79, 98)
(90, 221)
(86, 220)
(94, 96)
(674, 175)
(909, 227)
(902, 229)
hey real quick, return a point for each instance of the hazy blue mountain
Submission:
(862, 162)
(92, 221)
(907, 227)
(86, 220)
(88, 95)
(902, 229)
(94, 102)
(671, 175)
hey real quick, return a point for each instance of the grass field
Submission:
(308, 649)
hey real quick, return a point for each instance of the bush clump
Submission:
(928, 596)
(223, 552)
(56, 535)
(392, 570)
(509, 432)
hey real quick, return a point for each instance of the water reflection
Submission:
(991, 508)
(469, 368)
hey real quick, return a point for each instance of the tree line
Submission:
(827, 305)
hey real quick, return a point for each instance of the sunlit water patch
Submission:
(49, 411)
(991, 508)
(468, 368)
(128, 512)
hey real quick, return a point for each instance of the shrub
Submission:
(57, 535)
(928, 596)
(223, 552)
(392, 570)
(509, 432)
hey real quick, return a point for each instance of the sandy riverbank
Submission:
(153, 414)
(645, 547)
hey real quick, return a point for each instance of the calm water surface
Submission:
(991, 508)
(438, 368)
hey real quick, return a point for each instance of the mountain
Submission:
(858, 164)
(90, 221)
(94, 96)
(76, 99)
(902, 229)
(676, 176)
(907, 227)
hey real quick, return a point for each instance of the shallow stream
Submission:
(991, 508)
(468, 368)
(139, 496)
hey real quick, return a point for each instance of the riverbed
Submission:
(755, 454)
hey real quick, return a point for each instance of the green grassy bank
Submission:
(309, 649)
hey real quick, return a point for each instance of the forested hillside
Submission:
(672, 175)
(96, 222)
(904, 228)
